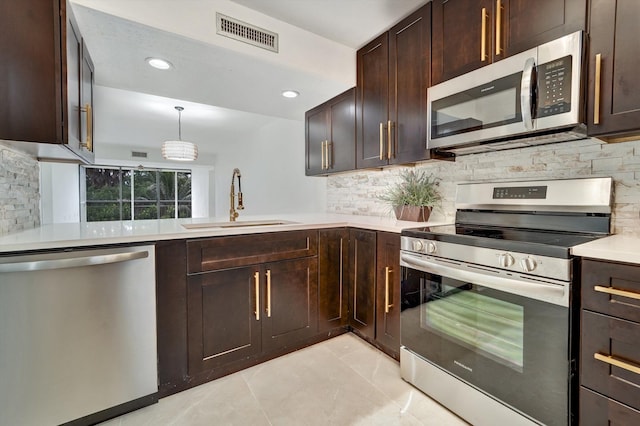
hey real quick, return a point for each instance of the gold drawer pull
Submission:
(596, 89)
(618, 363)
(617, 292)
(381, 140)
(387, 272)
(256, 279)
(498, 27)
(483, 36)
(268, 293)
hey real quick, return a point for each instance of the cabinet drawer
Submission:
(228, 252)
(602, 284)
(608, 336)
(598, 410)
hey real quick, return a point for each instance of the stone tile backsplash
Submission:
(19, 191)
(357, 192)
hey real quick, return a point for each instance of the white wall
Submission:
(271, 159)
(272, 167)
(59, 192)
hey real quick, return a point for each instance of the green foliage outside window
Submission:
(111, 193)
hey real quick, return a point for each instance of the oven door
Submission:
(502, 334)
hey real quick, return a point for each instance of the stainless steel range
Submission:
(490, 305)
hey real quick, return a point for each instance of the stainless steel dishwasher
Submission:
(77, 333)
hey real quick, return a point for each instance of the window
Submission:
(118, 193)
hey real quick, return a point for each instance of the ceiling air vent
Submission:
(238, 30)
(139, 154)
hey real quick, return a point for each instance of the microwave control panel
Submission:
(554, 87)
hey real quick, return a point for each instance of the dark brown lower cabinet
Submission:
(223, 321)
(290, 301)
(388, 292)
(238, 313)
(333, 276)
(362, 302)
(375, 288)
(610, 344)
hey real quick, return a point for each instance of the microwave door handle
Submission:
(526, 93)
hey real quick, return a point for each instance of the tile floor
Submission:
(342, 381)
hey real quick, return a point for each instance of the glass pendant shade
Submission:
(179, 150)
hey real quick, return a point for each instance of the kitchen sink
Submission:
(237, 224)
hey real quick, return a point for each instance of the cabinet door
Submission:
(409, 72)
(29, 60)
(458, 37)
(223, 311)
(528, 24)
(73, 84)
(388, 292)
(341, 148)
(290, 312)
(362, 247)
(614, 33)
(372, 103)
(333, 259)
(85, 148)
(315, 139)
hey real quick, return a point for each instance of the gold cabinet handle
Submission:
(389, 139)
(617, 292)
(381, 140)
(498, 27)
(483, 36)
(89, 141)
(387, 272)
(256, 280)
(596, 90)
(268, 293)
(617, 362)
(322, 149)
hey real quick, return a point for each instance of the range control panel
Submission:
(520, 192)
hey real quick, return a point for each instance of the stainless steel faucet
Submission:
(233, 214)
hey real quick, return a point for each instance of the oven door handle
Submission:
(556, 292)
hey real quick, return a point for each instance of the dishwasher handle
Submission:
(73, 262)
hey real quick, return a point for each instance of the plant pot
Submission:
(413, 213)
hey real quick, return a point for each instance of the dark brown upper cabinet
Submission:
(391, 105)
(613, 108)
(330, 136)
(469, 34)
(46, 79)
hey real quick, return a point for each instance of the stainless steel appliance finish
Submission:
(78, 333)
(531, 98)
(488, 316)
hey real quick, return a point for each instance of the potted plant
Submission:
(414, 196)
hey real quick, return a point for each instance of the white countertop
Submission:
(66, 235)
(617, 248)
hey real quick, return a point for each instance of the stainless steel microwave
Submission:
(531, 98)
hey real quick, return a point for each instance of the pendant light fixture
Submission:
(179, 150)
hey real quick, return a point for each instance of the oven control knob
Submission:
(528, 264)
(505, 260)
(418, 245)
(431, 247)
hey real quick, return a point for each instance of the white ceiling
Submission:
(349, 22)
(224, 77)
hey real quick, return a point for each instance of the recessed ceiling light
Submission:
(158, 63)
(290, 94)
